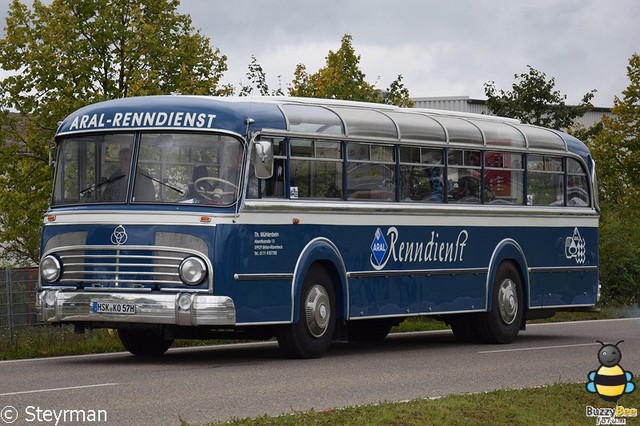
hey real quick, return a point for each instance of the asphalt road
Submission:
(200, 385)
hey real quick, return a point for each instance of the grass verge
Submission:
(558, 404)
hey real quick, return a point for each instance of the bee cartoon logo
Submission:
(610, 381)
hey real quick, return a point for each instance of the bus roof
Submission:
(317, 118)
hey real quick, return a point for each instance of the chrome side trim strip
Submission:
(262, 277)
(561, 306)
(417, 272)
(551, 269)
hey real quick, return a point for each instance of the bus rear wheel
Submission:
(370, 330)
(144, 342)
(312, 334)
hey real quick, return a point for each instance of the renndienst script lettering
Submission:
(432, 250)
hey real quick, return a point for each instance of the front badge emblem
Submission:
(119, 235)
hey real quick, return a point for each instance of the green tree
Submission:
(342, 78)
(534, 100)
(71, 53)
(398, 94)
(620, 256)
(258, 80)
(616, 148)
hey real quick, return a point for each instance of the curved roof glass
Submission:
(352, 119)
(328, 117)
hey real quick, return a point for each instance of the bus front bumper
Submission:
(183, 309)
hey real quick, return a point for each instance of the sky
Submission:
(441, 48)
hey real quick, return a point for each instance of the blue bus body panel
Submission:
(392, 270)
(446, 279)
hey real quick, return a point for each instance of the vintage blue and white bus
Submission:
(311, 221)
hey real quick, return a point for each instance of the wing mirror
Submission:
(263, 159)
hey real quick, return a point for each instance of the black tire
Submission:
(464, 327)
(311, 336)
(502, 324)
(369, 330)
(144, 342)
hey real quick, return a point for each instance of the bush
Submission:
(620, 257)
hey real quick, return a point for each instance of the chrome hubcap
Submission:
(317, 310)
(508, 301)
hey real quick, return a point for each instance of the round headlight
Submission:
(192, 271)
(50, 269)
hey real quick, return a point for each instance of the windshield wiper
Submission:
(182, 192)
(105, 182)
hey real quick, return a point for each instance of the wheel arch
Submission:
(322, 251)
(508, 250)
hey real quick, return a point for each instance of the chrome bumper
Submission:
(56, 306)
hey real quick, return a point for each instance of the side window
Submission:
(545, 181)
(577, 185)
(370, 171)
(463, 174)
(421, 171)
(503, 178)
(316, 169)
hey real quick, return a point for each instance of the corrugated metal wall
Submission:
(478, 106)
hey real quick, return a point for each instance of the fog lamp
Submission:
(50, 299)
(185, 301)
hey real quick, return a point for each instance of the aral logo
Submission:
(379, 247)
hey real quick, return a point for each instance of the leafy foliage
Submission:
(25, 182)
(620, 257)
(534, 100)
(617, 146)
(258, 80)
(398, 94)
(71, 53)
(342, 78)
(616, 150)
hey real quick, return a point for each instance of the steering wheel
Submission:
(214, 194)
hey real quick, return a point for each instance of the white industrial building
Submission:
(479, 106)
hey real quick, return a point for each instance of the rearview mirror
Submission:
(263, 159)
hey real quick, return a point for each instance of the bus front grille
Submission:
(103, 268)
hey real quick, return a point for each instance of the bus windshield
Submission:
(148, 168)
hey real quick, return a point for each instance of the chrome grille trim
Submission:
(80, 267)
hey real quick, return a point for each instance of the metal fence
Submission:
(17, 300)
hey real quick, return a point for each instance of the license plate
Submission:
(113, 308)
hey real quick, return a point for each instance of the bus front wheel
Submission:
(311, 335)
(502, 323)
